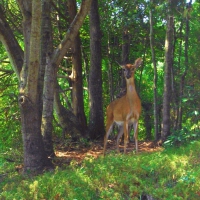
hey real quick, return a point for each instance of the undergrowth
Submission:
(171, 174)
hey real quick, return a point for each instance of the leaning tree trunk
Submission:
(68, 121)
(76, 77)
(96, 121)
(155, 98)
(13, 49)
(167, 75)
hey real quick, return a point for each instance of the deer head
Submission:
(129, 69)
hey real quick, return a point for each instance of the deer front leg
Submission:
(125, 136)
(120, 133)
(135, 125)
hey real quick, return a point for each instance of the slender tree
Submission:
(152, 45)
(96, 121)
(47, 72)
(125, 60)
(167, 72)
(182, 82)
(110, 70)
(76, 76)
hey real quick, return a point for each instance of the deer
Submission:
(125, 111)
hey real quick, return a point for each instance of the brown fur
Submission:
(126, 110)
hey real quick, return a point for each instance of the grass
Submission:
(171, 174)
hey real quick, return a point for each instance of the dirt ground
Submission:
(67, 154)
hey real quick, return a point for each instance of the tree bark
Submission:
(76, 76)
(167, 75)
(35, 158)
(47, 78)
(72, 32)
(68, 121)
(125, 55)
(176, 94)
(147, 119)
(110, 70)
(182, 82)
(26, 10)
(96, 121)
(152, 45)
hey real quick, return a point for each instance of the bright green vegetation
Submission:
(171, 174)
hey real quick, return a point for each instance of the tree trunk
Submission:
(125, 47)
(152, 45)
(182, 82)
(49, 77)
(167, 76)
(176, 90)
(110, 70)
(76, 76)
(147, 119)
(125, 55)
(35, 158)
(68, 121)
(96, 123)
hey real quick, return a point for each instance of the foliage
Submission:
(10, 135)
(170, 174)
(181, 137)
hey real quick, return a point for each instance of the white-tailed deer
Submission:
(126, 110)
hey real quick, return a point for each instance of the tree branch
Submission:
(62, 49)
(12, 46)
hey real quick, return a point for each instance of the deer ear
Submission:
(138, 62)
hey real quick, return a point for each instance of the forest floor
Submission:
(64, 155)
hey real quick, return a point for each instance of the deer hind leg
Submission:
(135, 126)
(109, 126)
(120, 133)
(125, 136)
(129, 133)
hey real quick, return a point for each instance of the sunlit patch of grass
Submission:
(170, 174)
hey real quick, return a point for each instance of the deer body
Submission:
(126, 110)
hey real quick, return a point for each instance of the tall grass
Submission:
(171, 174)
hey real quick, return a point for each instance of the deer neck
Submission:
(131, 91)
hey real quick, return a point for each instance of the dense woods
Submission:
(59, 70)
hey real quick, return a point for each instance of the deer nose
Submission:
(128, 76)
